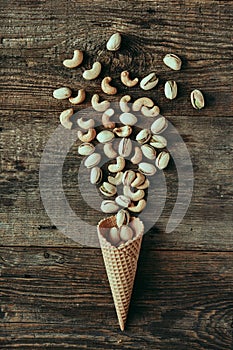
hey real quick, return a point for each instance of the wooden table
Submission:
(54, 293)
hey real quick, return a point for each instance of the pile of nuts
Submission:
(125, 187)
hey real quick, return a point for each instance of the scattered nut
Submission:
(137, 157)
(149, 82)
(108, 189)
(85, 124)
(159, 125)
(79, 98)
(88, 136)
(107, 88)
(128, 119)
(125, 147)
(92, 160)
(62, 93)
(170, 89)
(197, 99)
(65, 118)
(75, 61)
(119, 166)
(162, 160)
(86, 148)
(172, 61)
(109, 206)
(142, 101)
(109, 151)
(124, 103)
(99, 106)
(105, 136)
(143, 136)
(114, 42)
(123, 131)
(150, 112)
(125, 79)
(92, 73)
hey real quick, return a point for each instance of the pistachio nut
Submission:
(126, 233)
(117, 179)
(148, 151)
(159, 125)
(114, 42)
(109, 206)
(108, 189)
(158, 141)
(105, 136)
(123, 131)
(143, 136)
(122, 217)
(128, 177)
(162, 160)
(95, 175)
(86, 148)
(170, 89)
(123, 201)
(137, 157)
(114, 236)
(147, 169)
(172, 61)
(149, 82)
(128, 119)
(125, 147)
(197, 99)
(92, 160)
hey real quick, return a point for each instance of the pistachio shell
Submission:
(147, 169)
(148, 151)
(162, 160)
(105, 136)
(159, 125)
(172, 61)
(92, 160)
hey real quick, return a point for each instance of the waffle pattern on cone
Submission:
(121, 266)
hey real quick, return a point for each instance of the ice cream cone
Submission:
(121, 264)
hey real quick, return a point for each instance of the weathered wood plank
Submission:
(180, 298)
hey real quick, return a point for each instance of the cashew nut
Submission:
(139, 180)
(105, 119)
(150, 112)
(123, 131)
(123, 103)
(137, 157)
(116, 180)
(109, 151)
(75, 61)
(79, 98)
(134, 196)
(142, 101)
(144, 186)
(139, 207)
(120, 164)
(149, 81)
(65, 118)
(107, 88)
(86, 124)
(88, 136)
(92, 73)
(125, 79)
(99, 106)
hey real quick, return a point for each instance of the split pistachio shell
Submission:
(172, 61)
(125, 147)
(158, 141)
(108, 189)
(96, 175)
(148, 151)
(128, 119)
(159, 125)
(114, 236)
(109, 207)
(114, 42)
(143, 136)
(147, 169)
(122, 217)
(123, 201)
(105, 136)
(162, 160)
(126, 233)
(197, 99)
(149, 82)
(170, 89)
(92, 160)
(86, 148)
(62, 93)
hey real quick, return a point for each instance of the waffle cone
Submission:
(121, 264)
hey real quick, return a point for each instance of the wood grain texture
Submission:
(54, 293)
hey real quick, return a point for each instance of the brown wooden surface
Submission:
(54, 293)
